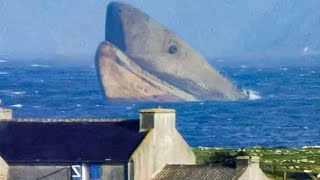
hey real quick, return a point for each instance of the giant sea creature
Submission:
(141, 60)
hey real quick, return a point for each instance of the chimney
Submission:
(246, 161)
(162, 120)
(243, 161)
(5, 114)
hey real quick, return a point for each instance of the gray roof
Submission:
(69, 140)
(197, 172)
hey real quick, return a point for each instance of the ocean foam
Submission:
(253, 95)
(17, 92)
(40, 65)
(12, 92)
(3, 73)
(2, 61)
(17, 106)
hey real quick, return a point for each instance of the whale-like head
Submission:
(158, 52)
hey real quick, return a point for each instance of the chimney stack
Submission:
(5, 114)
(246, 161)
(243, 161)
(163, 120)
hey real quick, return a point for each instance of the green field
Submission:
(274, 161)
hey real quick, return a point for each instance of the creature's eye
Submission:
(173, 49)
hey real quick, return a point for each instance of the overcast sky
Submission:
(217, 28)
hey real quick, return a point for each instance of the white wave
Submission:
(17, 105)
(40, 65)
(3, 73)
(17, 92)
(12, 92)
(253, 95)
(128, 108)
(2, 61)
(285, 69)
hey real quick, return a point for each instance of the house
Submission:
(247, 168)
(81, 149)
(118, 149)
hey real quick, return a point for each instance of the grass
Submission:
(273, 161)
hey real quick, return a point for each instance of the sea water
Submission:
(283, 108)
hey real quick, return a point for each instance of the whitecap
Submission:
(17, 105)
(7, 92)
(40, 65)
(253, 95)
(2, 61)
(313, 72)
(3, 73)
(79, 105)
(17, 92)
(128, 108)
(285, 69)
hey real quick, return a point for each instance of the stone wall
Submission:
(4, 168)
(39, 173)
(113, 172)
(163, 145)
(108, 172)
(158, 150)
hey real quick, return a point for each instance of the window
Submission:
(95, 172)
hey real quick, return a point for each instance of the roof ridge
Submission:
(50, 120)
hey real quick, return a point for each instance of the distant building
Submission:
(247, 168)
(103, 149)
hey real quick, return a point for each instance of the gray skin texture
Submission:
(181, 73)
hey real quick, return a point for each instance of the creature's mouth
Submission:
(122, 65)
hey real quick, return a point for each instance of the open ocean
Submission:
(283, 110)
